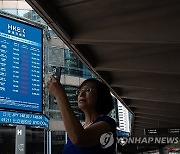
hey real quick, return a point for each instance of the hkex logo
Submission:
(19, 31)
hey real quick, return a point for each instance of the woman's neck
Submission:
(91, 117)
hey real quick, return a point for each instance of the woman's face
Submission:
(87, 97)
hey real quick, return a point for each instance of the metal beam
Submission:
(149, 94)
(138, 133)
(156, 112)
(155, 121)
(145, 122)
(147, 58)
(158, 124)
(69, 3)
(152, 105)
(137, 129)
(137, 123)
(145, 126)
(156, 81)
(105, 76)
(158, 117)
(135, 133)
(129, 23)
(86, 52)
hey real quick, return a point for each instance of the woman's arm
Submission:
(77, 134)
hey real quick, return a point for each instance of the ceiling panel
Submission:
(132, 45)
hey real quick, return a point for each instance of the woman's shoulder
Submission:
(107, 119)
(104, 118)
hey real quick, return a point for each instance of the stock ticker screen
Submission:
(21, 63)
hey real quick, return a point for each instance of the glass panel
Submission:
(71, 93)
(55, 56)
(7, 139)
(58, 141)
(21, 13)
(36, 141)
(11, 11)
(87, 73)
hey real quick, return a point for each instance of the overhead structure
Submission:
(133, 45)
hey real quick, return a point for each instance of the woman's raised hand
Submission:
(54, 87)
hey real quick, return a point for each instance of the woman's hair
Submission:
(104, 99)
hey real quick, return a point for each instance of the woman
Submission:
(98, 134)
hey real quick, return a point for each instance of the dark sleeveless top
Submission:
(101, 148)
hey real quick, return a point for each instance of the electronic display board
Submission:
(21, 65)
(24, 119)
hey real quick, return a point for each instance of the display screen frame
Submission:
(40, 28)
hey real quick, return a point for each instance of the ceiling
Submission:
(133, 45)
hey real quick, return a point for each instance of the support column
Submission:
(49, 144)
(20, 146)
